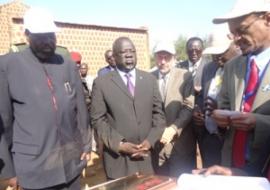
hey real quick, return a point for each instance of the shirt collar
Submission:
(191, 65)
(124, 78)
(161, 75)
(261, 59)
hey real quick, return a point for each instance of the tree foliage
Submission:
(180, 47)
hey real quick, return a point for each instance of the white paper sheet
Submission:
(218, 182)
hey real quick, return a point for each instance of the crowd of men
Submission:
(146, 122)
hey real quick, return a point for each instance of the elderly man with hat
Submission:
(222, 49)
(43, 111)
(246, 85)
(175, 153)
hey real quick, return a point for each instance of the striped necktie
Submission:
(130, 85)
(240, 137)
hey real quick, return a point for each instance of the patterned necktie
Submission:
(130, 85)
(240, 137)
(163, 87)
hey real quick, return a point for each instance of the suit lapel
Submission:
(139, 88)
(261, 95)
(210, 74)
(240, 82)
(116, 78)
(170, 84)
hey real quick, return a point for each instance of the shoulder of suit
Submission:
(209, 65)
(10, 58)
(182, 64)
(236, 62)
(180, 71)
(155, 73)
(144, 73)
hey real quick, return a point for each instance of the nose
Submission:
(235, 37)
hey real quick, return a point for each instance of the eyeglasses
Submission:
(243, 29)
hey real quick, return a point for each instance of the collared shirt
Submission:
(193, 67)
(261, 60)
(124, 78)
(161, 78)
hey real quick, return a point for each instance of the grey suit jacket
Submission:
(116, 115)
(47, 138)
(230, 98)
(209, 72)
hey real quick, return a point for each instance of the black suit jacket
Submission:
(183, 64)
(209, 72)
(50, 128)
(116, 115)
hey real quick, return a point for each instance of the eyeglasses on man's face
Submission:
(242, 30)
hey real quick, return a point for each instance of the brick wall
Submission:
(90, 40)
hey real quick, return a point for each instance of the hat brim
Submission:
(229, 16)
(239, 13)
(169, 51)
(216, 50)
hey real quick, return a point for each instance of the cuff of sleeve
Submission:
(177, 130)
(87, 148)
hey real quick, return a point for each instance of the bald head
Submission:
(124, 53)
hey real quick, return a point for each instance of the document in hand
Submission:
(214, 182)
(227, 113)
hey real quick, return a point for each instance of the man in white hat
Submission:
(176, 152)
(246, 85)
(43, 111)
(222, 50)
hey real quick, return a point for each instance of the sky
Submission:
(165, 20)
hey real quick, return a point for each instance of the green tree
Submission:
(180, 47)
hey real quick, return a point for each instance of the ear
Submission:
(267, 18)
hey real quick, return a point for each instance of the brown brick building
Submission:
(90, 40)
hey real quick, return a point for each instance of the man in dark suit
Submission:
(222, 50)
(127, 113)
(194, 64)
(43, 111)
(111, 63)
(246, 85)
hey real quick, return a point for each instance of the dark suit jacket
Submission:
(6, 165)
(104, 70)
(116, 115)
(209, 72)
(230, 98)
(183, 65)
(48, 139)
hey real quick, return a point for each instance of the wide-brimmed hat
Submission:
(165, 46)
(39, 20)
(218, 41)
(244, 7)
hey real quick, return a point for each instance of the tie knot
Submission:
(128, 75)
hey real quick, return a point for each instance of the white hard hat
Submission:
(39, 20)
(244, 7)
(165, 46)
(219, 41)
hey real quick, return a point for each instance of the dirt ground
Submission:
(94, 173)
